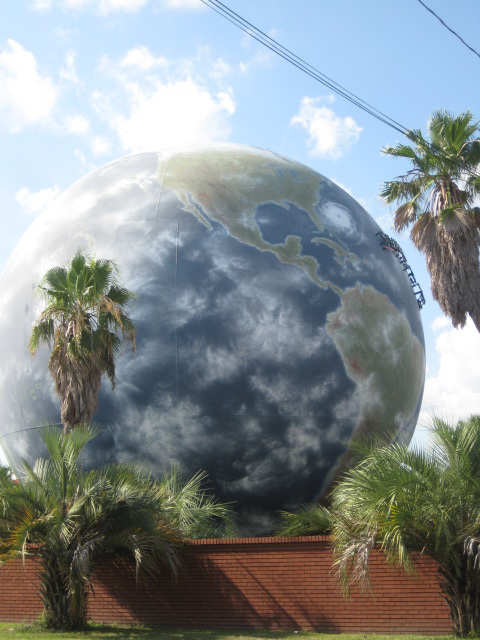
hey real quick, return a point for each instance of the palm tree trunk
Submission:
(460, 584)
(56, 595)
(77, 383)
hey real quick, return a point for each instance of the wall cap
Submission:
(258, 540)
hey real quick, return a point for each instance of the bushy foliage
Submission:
(70, 518)
(406, 502)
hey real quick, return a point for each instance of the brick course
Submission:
(249, 583)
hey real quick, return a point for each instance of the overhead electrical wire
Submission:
(319, 417)
(447, 27)
(298, 62)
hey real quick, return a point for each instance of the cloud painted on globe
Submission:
(272, 327)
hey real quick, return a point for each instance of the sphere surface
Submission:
(271, 325)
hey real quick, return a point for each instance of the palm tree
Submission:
(86, 313)
(70, 518)
(406, 501)
(436, 198)
(309, 520)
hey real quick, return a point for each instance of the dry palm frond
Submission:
(405, 215)
(353, 561)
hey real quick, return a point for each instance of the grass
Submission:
(104, 632)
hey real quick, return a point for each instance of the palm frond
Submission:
(404, 500)
(192, 507)
(308, 520)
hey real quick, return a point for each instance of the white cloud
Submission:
(35, 201)
(219, 69)
(41, 5)
(86, 165)
(68, 71)
(452, 392)
(168, 107)
(26, 96)
(157, 103)
(440, 322)
(385, 222)
(226, 102)
(328, 134)
(141, 58)
(182, 4)
(261, 58)
(259, 55)
(78, 154)
(76, 124)
(101, 146)
(99, 6)
(63, 35)
(101, 105)
(173, 114)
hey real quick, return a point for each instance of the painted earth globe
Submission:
(272, 326)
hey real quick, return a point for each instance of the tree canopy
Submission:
(84, 321)
(70, 518)
(425, 501)
(436, 199)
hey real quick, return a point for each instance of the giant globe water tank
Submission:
(271, 324)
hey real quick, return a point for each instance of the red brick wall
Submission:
(260, 583)
(19, 598)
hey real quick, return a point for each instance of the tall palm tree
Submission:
(70, 518)
(85, 317)
(408, 501)
(437, 200)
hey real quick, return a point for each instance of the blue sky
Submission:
(86, 81)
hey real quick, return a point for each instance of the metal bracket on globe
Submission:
(392, 245)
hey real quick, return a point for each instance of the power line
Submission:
(447, 27)
(272, 44)
(40, 426)
(259, 35)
